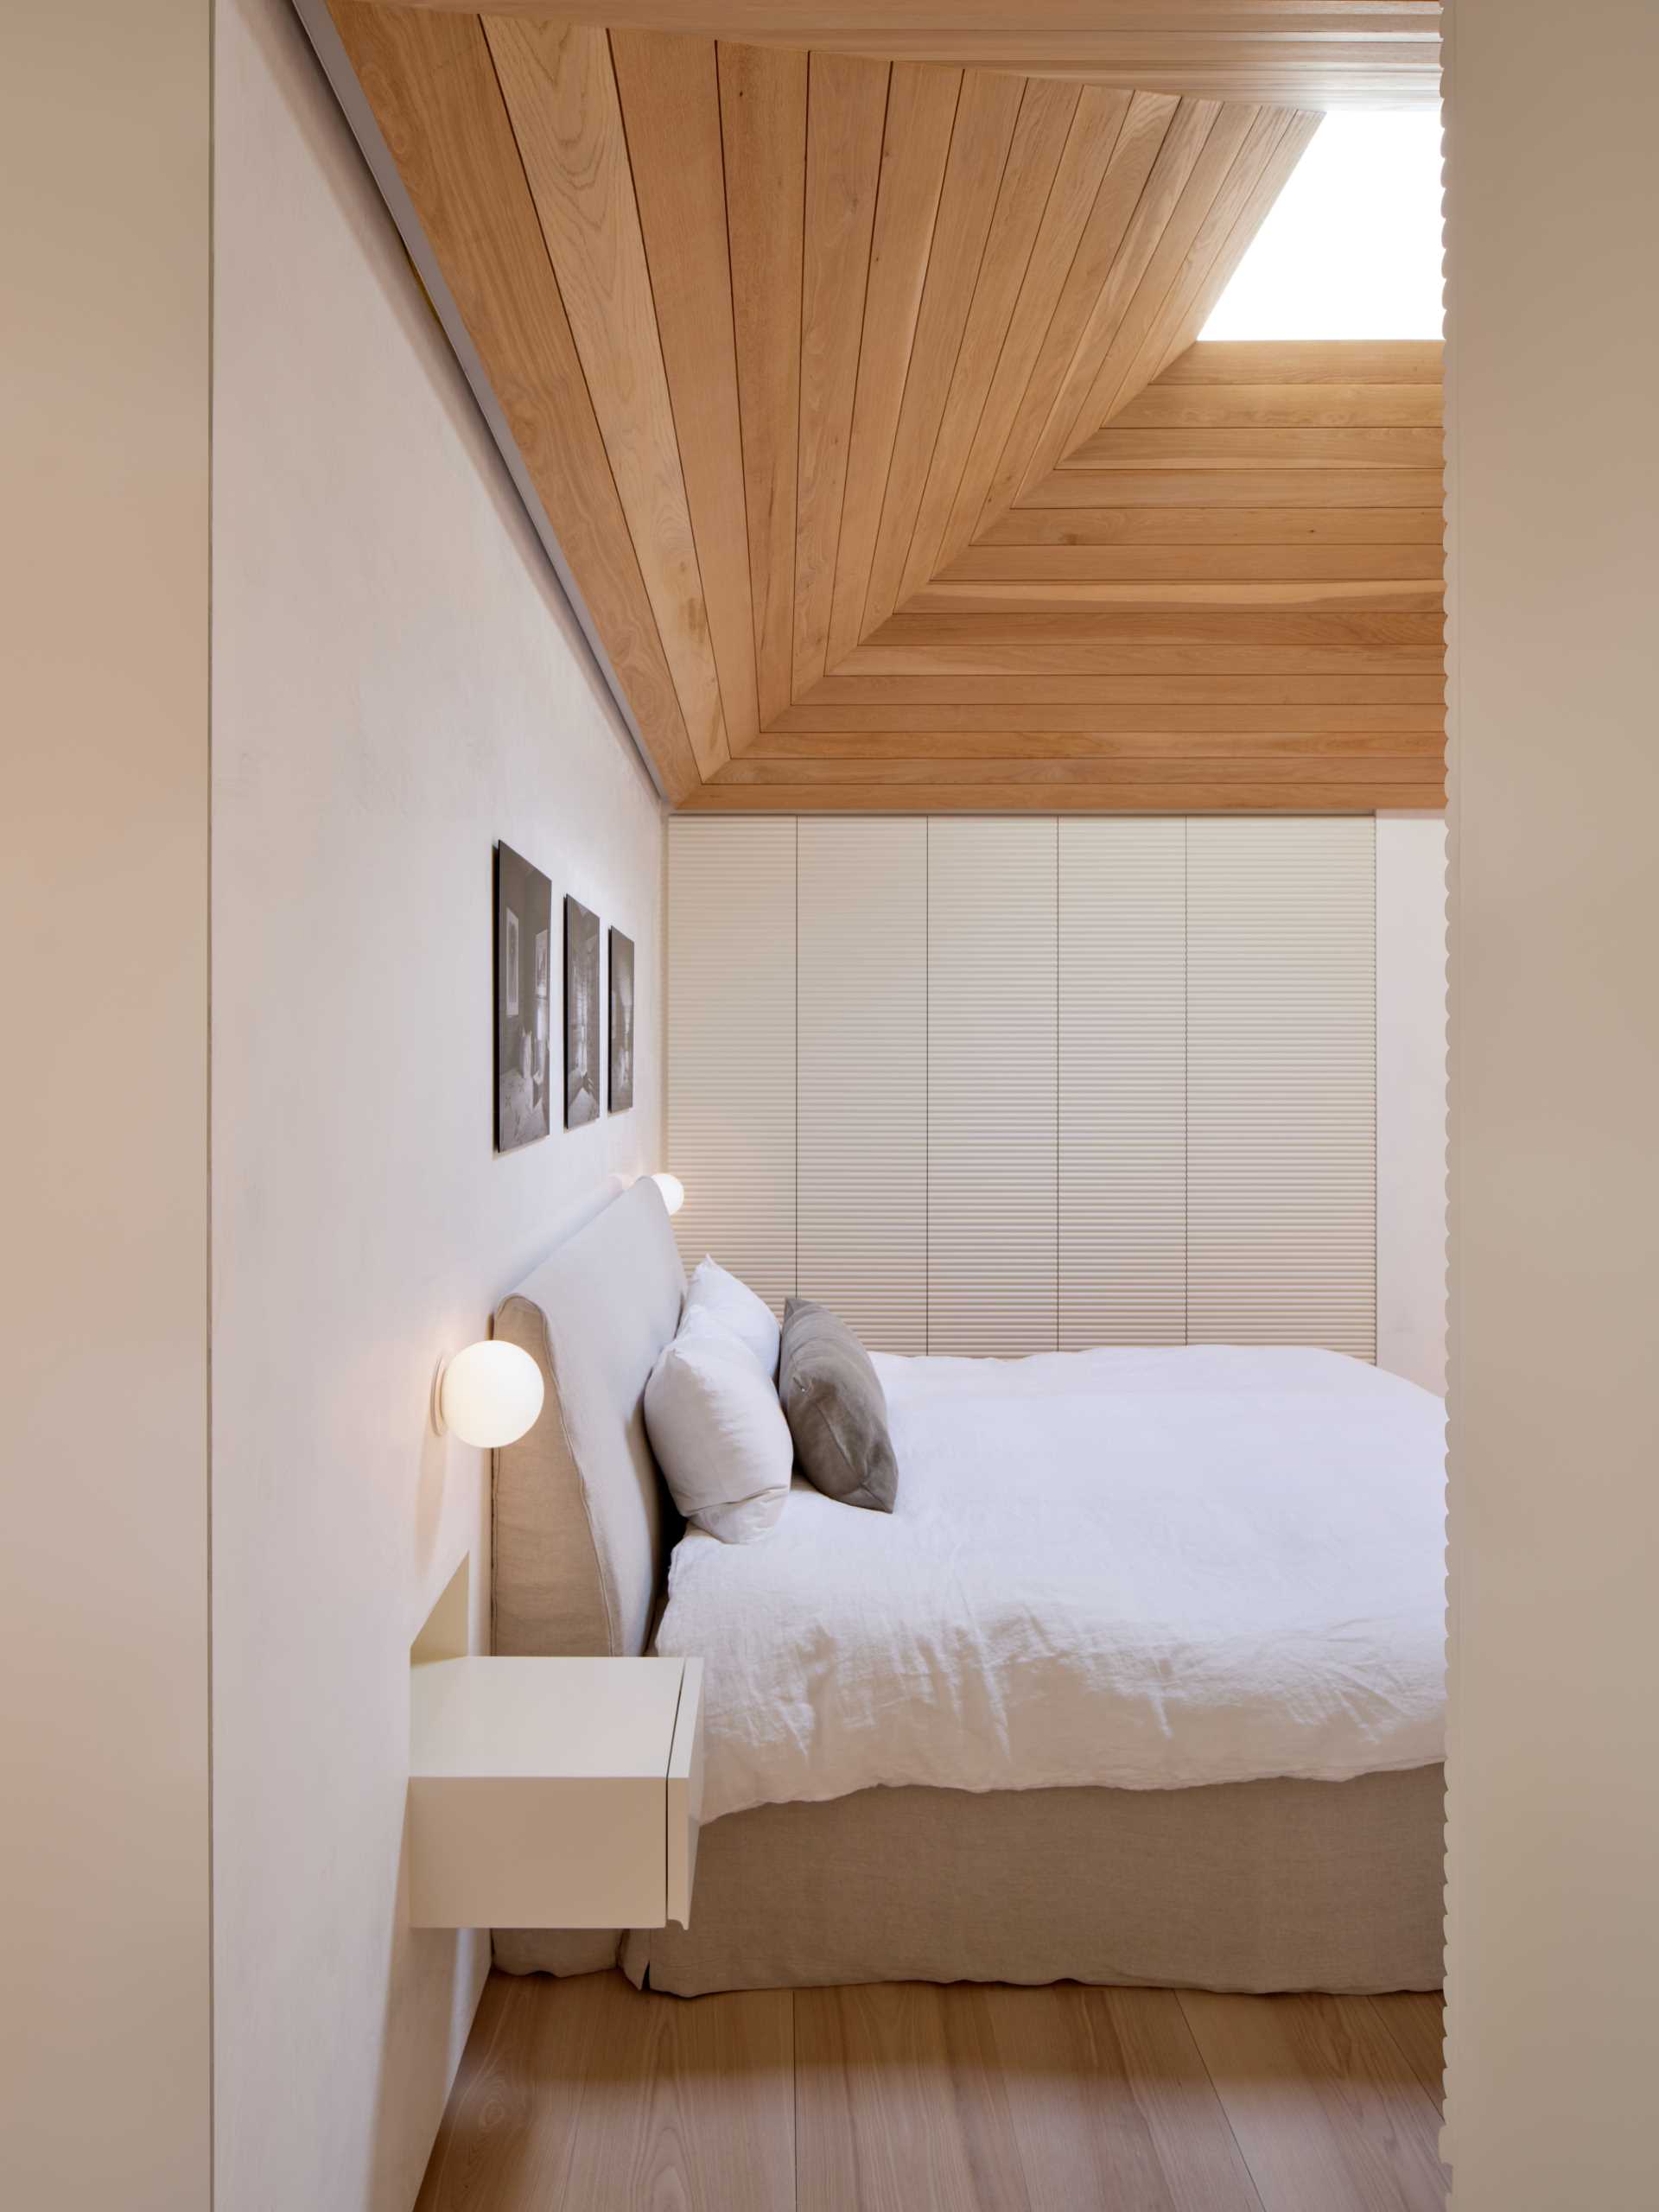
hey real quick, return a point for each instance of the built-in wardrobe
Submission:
(995, 1086)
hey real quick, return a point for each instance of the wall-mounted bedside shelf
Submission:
(554, 1792)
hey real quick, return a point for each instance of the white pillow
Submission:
(736, 1307)
(719, 1432)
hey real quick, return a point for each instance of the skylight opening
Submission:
(1352, 249)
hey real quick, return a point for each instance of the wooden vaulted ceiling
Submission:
(862, 398)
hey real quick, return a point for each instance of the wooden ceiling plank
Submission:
(916, 145)
(433, 87)
(1256, 446)
(1268, 628)
(1402, 595)
(1155, 207)
(1163, 688)
(1069, 566)
(670, 110)
(847, 109)
(1097, 123)
(1298, 136)
(915, 726)
(562, 98)
(1134, 151)
(1307, 360)
(1097, 657)
(1047, 113)
(1156, 297)
(1204, 267)
(1370, 769)
(980, 141)
(1219, 789)
(1009, 749)
(1243, 487)
(1168, 406)
(763, 129)
(1070, 527)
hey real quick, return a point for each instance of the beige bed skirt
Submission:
(1247, 1885)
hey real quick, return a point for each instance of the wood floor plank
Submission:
(507, 2131)
(902, 2104)
(1111, 2104)
(683, 2106)
(1327, 2112)
(1416, 2020)
(587, 2096)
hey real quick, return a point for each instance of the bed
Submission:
(1141, 1682)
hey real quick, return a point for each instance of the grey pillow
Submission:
(836, 1409)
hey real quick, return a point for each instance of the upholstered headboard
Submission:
(581, 1517)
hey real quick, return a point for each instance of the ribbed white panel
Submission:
(863, 1181)
(1123, 1120)
(991, 1044)
(731, 1045)
(1282, 1083)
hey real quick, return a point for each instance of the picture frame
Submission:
(583, 1015)
(523, 904)
(621, 1096)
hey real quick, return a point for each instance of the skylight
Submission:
(1352, 249)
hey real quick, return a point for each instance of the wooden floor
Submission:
(588, 2096)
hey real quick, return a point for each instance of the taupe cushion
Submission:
(836, 1408)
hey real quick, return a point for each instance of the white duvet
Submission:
(1146, 1569)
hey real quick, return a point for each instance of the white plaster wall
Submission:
(1411, 1097)
(397, 683)
(1553, 482)
(104, 474)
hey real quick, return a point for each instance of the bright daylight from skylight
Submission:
(1353, 247)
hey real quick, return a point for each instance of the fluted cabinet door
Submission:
(993, 1031)
(1282, 1083)
(862, 1069)
(1123, 1083)
(731, 1045)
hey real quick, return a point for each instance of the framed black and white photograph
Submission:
(621, 1023)
(523, 1026)
(582, 1015)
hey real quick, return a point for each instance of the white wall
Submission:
(396, 685)
(1554, 484)
(104, 471)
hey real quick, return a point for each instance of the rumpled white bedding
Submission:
(1148, 1570)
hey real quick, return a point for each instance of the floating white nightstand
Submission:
(554, 1792)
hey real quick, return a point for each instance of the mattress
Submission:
(1136, 1569)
